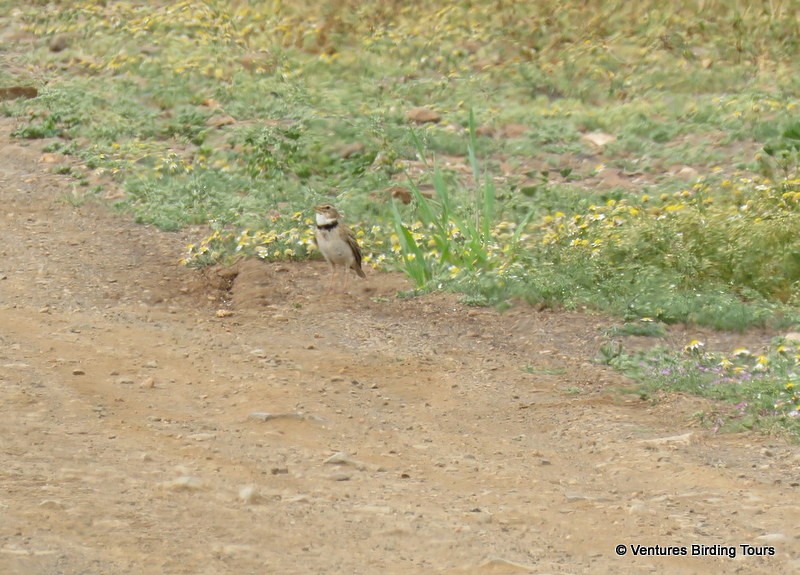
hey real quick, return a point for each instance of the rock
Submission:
(258, 62)
(378, 509)
(673, 439)
(301, 498)
(514, 130)
(772, 538)
(201, 436)
(350, 150)
(249, 494)
(15, 92)
(500, 565)
(219, 120)
(264, 416)
(183, 483)
(576, 497)
(341, 458)
(613, 178)
(793, 336)
(599, 139)
(78, 371)
(400, 193)
(231, 550)
(50, 158)
(687, 173)
(423, 116)
(58, 43)
(147, 383)
(341, 476)
(224, 313)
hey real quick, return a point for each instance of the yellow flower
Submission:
(694, 346)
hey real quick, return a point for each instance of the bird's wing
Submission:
(351, 241)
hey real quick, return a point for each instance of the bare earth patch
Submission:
(144, 432)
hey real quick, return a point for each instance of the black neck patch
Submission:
(328, 227)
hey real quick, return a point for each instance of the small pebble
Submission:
(772, 538)
(248, 494)
(202, 436)
(183, 483)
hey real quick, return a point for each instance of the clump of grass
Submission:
(760, 390)
(461, 240)
(645, 327)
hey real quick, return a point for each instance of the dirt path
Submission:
(404, 436)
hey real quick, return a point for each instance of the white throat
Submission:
(323, 220)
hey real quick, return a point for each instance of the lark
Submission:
(337, 243)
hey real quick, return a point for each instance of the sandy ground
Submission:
(141, 432)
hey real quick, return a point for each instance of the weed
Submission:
(761, 390)
(644, 327)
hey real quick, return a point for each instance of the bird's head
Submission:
(326, 214)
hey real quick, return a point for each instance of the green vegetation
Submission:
(637, 159)
(754, 390)
(641, 159)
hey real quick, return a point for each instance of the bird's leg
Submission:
(333, 278)
(346, 269)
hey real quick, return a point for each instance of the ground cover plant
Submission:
(634, 158)
(754, 389)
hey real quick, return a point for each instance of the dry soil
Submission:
(160, 420)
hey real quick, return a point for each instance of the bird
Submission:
(336, 242)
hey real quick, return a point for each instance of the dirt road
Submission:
(305, 433)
